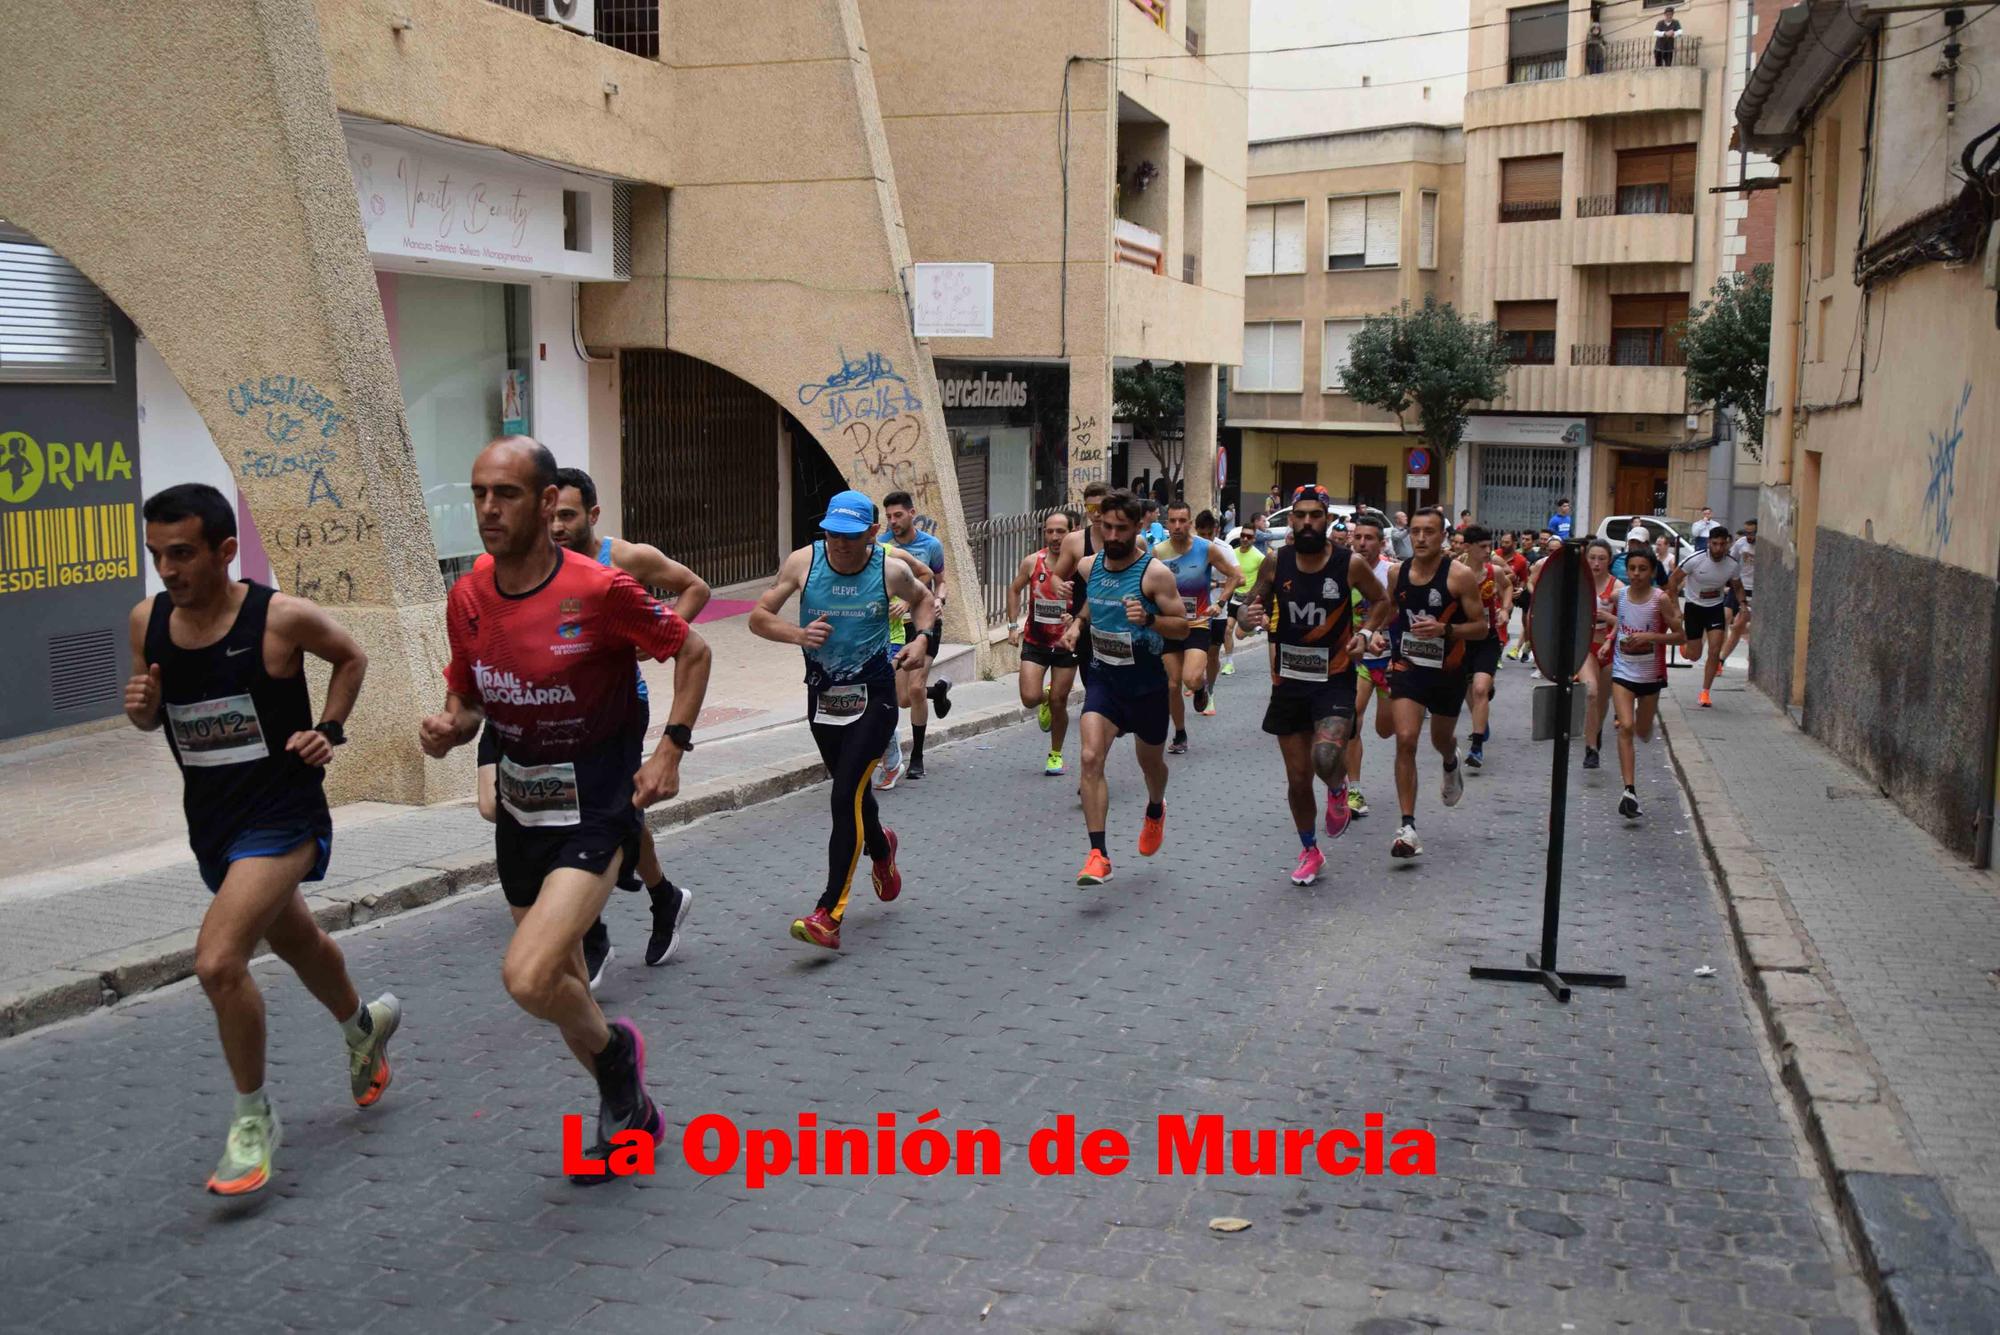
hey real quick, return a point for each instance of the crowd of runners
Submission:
(1149, 610)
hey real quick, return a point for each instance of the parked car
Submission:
(1278, 526)
(1616, 528)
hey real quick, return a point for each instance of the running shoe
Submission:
(668, 916)
(1406, 845)
(888, 881)
(915, 770)
(1704, 701)
(888, 777)
(1178, 746)
(246, 1157)
(1311, 863)
(597, 952)
(1044, 717)
(939, 694)
(1628, 805)
(817, 928)
(1338, 812)
(1590, 758)
(1228, 667)
(1153, 833)
(368, 1064)
(1476, 757)
(623, 1103)
(1356, 803)
(1054, 765)
(1454, 782)
(1205, 704)
(1096, 869)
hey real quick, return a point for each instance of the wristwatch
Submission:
(680, 735)
(334, 733)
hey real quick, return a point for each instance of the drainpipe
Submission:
(1788, 299)
(1989, 760)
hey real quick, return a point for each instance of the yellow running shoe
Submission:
(246, 1158)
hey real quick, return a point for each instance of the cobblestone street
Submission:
(1622, 1162)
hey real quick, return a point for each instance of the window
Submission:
(1364, 232)
(1656, 180)
(55, 325)
(1272, 360)
(1274, 238)
(1333, 346)
(1427, 229)
(1531, 188)
(1538, 42)
(1642, 329)
(1528, 329)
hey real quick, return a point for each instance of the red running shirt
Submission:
(1045, 611)
(554, 668)
(1489, 594)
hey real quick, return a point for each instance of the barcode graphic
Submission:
(86, 543)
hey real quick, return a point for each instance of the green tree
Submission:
(1728, 344)
(1427, 360)
(1154, 400)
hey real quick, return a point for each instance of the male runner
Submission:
(1219, 600)
(1744, 549)
(1371, 674)
(1250, 558)
(912, 691)
(223, 666)
(1524, 597)
(1482, 657)
(1155, 532)
(544, 643)
(1047, 670)
(1193, 562)
(1132, 607)
(1438, 602)
(575, 526)
(1706, 577)
(1311, 583)
(1648, 622)
(846, 582)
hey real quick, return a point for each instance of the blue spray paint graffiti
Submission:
(865, 388)
(880, 424)
(1944, 467)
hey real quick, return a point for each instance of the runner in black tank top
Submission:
(1438, 607)
(203, 656)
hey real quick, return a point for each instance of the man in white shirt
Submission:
(1703, 525)
(1707, 577)
(1744, 549)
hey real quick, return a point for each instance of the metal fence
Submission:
(998, 546)
(632, 26)
(1633, 201)
(1631, 347)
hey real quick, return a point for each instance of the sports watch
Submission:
(680, 735)
(335, 734)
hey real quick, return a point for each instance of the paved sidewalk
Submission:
(1877, 951)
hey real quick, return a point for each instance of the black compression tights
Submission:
(851, 754)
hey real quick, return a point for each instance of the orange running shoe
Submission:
(1153, 833)
(1096, 869)
(1704, 701)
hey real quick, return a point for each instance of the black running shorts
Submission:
(1144, 716)
(1298, 706)
(1640, 688)
(1441, 693)
(1482, 656)
(1047, 655)
(1196, 638)
(527, 854)
(1700, 620)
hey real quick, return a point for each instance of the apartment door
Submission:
(1371, 487)
(1295, 474)
(1640, 486)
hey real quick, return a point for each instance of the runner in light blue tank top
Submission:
(1126, 652)
(857, 608)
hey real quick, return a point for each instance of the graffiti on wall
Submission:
(1086, 453)
(1943, 472)
(876, 421)
(300, 423)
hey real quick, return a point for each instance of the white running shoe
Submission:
(1454, 780)
(1406, 845)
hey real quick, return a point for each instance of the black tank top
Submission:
(227, 721)
(1077, 591)
(1314, 615)
(1433, 598)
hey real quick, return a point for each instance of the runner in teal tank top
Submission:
(1197, 565)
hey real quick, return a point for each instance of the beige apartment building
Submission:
(1878, 606)
(1339, 227)
(730, 258)
(1591, 150)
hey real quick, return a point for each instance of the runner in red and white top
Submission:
(1047, 669)
(544, 644)
(1597, 560)
(1649, 622)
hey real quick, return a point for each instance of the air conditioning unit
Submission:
(580, 15)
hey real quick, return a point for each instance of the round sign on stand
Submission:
(1565, 582)
(1221, 468)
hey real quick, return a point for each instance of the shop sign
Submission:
(68, 513)
(1491, 429)
(984, 390)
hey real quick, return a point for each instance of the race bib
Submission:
(1302, 662)
(1188, 606)
(1113, 648)
(1630, 647)
(217, 732)
(841, 705)
(1048, 612)
(539, 795)
(1423, 653)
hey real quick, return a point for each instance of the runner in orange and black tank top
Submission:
(1432, 598)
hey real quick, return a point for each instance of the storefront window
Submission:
(456, 343)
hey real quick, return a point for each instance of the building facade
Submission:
(1880, 515)
(1339, 227)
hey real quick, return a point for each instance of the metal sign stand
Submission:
(1562, 581)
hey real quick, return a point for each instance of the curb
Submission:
(106, 979)
(1922, 1260)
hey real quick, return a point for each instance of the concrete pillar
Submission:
(1089, 424)
(1200, 454)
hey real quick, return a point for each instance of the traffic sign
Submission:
(1565, 582)
(1221, 467)
(1418, 460)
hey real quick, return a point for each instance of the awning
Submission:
(1811, 46)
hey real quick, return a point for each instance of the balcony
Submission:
(1604, 233)
(1648, 390)
(631, 26)
(1632, 347)
(1546, 88)
(1139, 247)
(1638, 53)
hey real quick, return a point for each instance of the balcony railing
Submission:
(1530, 347)
(1633, 348)
(1139, 247)
(1638, 53)
(1531, 210)
(631, 26)
(1534, 69)
(1633, 201)
(1156, 10)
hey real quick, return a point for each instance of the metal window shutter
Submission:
(1519, 317)
(1638, 312)
(1255, 373)
(1335, 340)
(1385, 230)
(1680, 173)
(1538, 30)
(1287, 357)
(1347, 226)
(1427, 230)
(1536, 180)
(54, 323)
(1646, 166)
(1288, 249)
(1258, 225)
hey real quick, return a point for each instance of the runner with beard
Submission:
(1371, 675)
(1310, 583)
(1132, 607)
(1047, 669)
(1438, 603)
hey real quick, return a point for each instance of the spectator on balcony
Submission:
(1665, 33)
(1593, 50)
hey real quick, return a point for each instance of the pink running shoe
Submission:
(1338, 812)
(1311, 863)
